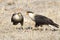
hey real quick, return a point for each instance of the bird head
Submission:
(29, 13)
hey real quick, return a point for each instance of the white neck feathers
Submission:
(31, 16)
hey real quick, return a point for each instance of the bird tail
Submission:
(56, 25)
(52, 23)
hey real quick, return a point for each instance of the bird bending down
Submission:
(17, 18)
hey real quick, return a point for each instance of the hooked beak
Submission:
(27, 14)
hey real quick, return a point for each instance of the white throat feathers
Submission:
(16, 17)
(31, 15)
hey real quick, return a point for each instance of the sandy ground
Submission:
(49, 8)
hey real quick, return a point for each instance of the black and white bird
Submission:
(17, 18)
(41, 20)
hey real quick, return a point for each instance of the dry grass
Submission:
(49, 8)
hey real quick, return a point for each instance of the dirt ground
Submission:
(48, 8)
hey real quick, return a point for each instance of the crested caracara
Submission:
(41, 20)
(17, 18)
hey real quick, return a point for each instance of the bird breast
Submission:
(17, 17)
